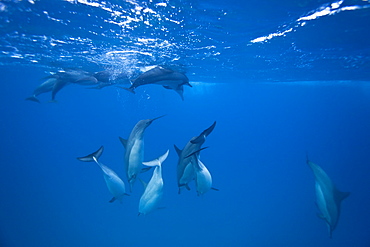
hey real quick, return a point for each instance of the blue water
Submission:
(282, 79)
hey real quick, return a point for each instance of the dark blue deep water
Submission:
(283, 79)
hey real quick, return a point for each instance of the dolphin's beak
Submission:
(151, 120)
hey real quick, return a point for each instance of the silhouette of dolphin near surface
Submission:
(54, 83)
(168, 78)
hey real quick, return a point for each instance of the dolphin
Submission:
(203, 178)
(168, 78)
(134, 146)
(114, 183)
(107, 78)
(54, 83)
(69, 76)
(185, 169)
(154, 190)
(328, 197)
(45, 87)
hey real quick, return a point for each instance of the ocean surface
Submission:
(283, 80)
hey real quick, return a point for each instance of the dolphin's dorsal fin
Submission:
(90, 157)
(178, 150)
(340, 196)
(123, 141)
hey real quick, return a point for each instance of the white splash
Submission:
(271, 35)
(332, 9)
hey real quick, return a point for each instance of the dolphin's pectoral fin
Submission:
(34, 99)
(167, 87)
(112, 200)
(183, 185)
(123, 141)
(143, 183)
(131, 90)
(196, 152)
(321, 216)
(132, 178)
(215, 189)
(181, 93)
(145, 169)
(126, 194)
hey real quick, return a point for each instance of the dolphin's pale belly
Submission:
(203, 180)
(152, 196)
(114, 183)
(321, 202)
(149, 202)
(115, 186)
(135, 159)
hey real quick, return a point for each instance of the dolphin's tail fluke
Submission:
(158, 161)
(204, 134)
(90, 157)
(33, 98)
